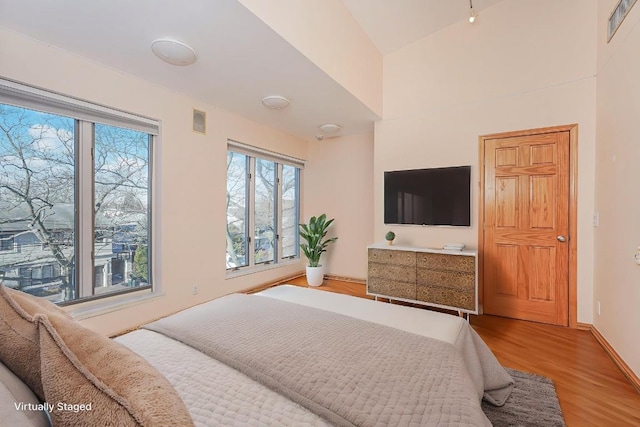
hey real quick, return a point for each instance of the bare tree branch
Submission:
(38, 176)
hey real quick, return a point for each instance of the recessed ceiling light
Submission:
(329, 128)
(174, 52)
(275, 102)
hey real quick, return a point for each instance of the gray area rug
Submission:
(533, 402)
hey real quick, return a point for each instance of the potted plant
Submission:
(314, 235)
(389, 237)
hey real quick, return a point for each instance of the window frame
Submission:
(252, 211)
(296, 234)
(254, 153)
(7, 243)
(85, 115)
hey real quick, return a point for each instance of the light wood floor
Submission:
(591, 389)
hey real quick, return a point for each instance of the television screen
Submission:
(437, 196)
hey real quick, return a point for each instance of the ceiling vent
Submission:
(199, 121)
(617, 16)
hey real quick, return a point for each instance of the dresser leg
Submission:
(464, 315)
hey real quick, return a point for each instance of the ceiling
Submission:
(240, 59)
(393, 24)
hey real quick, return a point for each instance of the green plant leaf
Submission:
(314, 234)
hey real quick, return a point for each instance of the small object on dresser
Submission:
(389, 237)
(453, 246)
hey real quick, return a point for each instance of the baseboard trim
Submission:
(345, 279)
(613, 354)
(270, 284)
(282, 280)
(584, 326)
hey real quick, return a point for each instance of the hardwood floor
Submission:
(591, 389)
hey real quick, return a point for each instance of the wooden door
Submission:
(526, 230)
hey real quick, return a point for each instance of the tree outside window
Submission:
(41, 171)
(262, 197)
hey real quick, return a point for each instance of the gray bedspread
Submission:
(348, 371)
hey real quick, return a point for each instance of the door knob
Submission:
(561, 239)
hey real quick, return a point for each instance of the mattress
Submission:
(219, 395)
(443, 327)
(480, 362)
(215, 394)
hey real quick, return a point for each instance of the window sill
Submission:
(86, 310)
(259, 268)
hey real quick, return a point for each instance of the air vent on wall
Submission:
(199, 121)
(617, 16)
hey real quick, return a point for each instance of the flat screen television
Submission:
(435, 196)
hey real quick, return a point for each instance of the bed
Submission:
(218, 393)
(284, 356)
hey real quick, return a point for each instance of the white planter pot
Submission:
(315, 275)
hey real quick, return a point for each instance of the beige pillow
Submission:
(34, 305)
(117, 387)
(19, 334)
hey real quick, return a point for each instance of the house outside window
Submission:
(6, 242)
(75, 196)
(263, 208)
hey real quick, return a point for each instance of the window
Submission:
(121, 200)
(75, 196)
(290, 211)
(262, 207)
(6, 242)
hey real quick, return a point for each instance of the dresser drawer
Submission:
(383, 256)
(439, 278)
(463, 299)
(392, 272)
(392, 288)
(446, 279)
(446, 262)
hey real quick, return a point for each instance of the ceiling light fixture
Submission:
(472, 13)
(329, 129)
(174, 52)
(275, 102)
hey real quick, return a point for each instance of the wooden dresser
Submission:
(434, 277)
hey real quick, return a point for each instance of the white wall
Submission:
(338, 181)
(522, 65)
(192, 172)
(617, 277)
